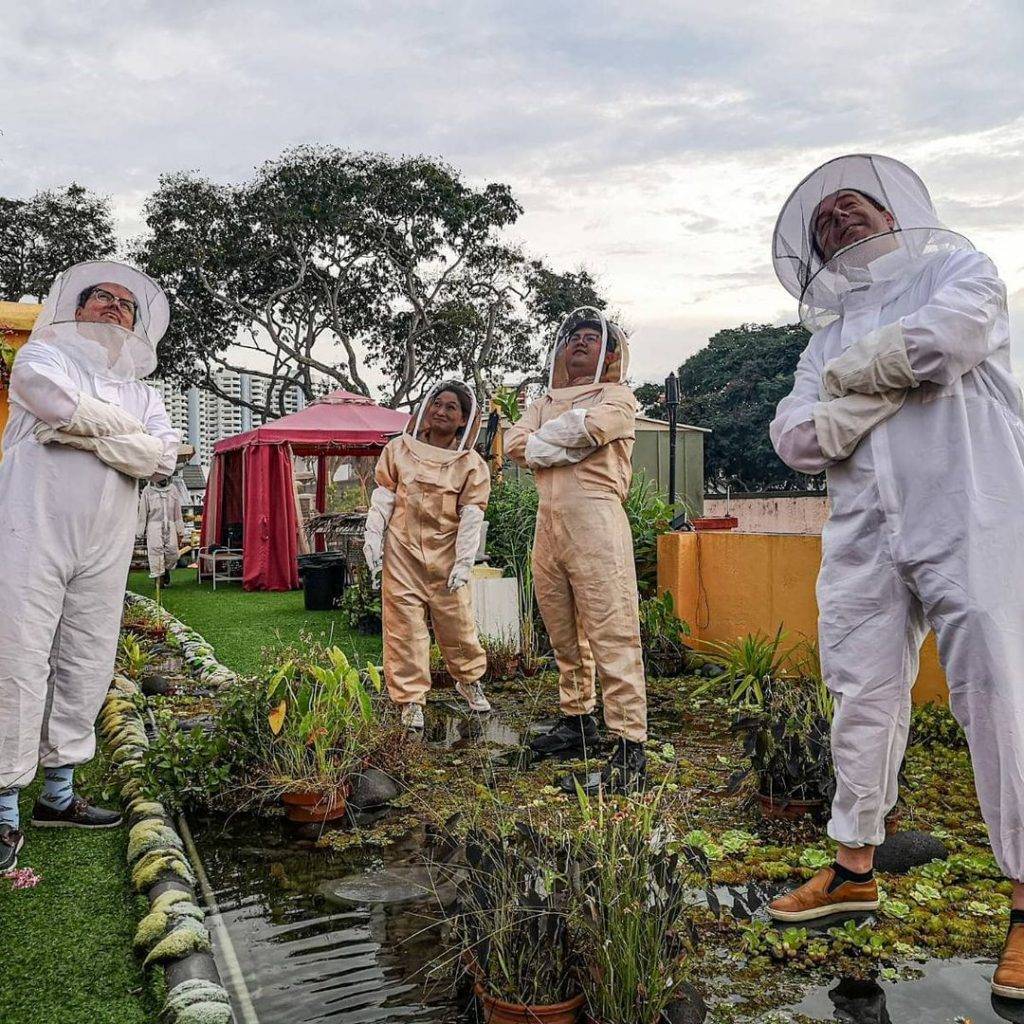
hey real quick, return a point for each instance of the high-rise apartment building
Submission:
(203, 418)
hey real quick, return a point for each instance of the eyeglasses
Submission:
(125, 305)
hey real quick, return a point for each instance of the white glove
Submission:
(382, 505)
(467, 543)
(96, 418)
(568, 430)
(135, 455)
(876, 363)
(842, 423)
(541, 454)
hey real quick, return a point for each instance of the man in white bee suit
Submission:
(83, 429)
(905, 397)
(161, 522)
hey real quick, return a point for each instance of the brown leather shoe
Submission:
(813, 899)
(1008, 981)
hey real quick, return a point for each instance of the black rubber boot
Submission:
(165, 580)
(626, 770)
(572, 736)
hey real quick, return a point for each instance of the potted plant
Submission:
(787, 740)
(631, 896)
(503, 658)
(663, 637)
(511, 928)
(135, 619)
(321, 727)
(360, 604)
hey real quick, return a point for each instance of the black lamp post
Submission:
(672, 404)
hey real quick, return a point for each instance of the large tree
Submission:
(330, 264)
(51, 231)
(732, 386)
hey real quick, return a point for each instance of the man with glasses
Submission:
(83, 430)
(905, 396)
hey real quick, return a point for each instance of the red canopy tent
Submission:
(251, 483)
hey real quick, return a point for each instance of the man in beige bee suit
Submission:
(422, 535)
(578, 441)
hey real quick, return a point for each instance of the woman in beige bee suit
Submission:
(578, 440)
(423, 531)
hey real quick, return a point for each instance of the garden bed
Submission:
(926, 960)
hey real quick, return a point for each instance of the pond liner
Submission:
(163, 870)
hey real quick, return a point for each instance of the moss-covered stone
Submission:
(204, 1013)
(159, 865)
(168, 899)
(152, 928)
(194, 992)
(150, 834)
(186, 938)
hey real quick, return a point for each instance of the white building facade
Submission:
(203, 419)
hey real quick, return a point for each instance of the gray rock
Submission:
(372, 788)
(687, 1008)
(154, 685)
(905, 850)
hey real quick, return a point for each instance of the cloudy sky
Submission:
(653, 141)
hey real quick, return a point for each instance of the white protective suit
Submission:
(67, 518)
(911, 353)
(161, 521)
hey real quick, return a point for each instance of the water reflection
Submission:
(859, 1002)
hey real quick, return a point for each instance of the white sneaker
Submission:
(473, 695)
(412, 716)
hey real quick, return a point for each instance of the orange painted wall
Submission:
(726, 585)
(16, 322)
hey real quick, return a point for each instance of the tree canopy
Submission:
(334, 267)
(732, 386)
(46, 234)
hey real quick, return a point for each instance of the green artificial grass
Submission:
(239, 624)
(66, 945)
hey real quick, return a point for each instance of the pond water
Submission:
(309, 957)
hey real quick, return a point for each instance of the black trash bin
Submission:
(323, 580)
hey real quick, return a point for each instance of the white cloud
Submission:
(653, 141)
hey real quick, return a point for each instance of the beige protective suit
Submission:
(583, 561)
(430, 540)
(161, 520)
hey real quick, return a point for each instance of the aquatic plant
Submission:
(787, 738)
(663, 636)
(632, 906)
(132, 659)
(933, 725)
(321, 723)
(510, 922)
(748, 667)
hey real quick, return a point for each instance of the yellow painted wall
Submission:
(726, 585)
(16, 322)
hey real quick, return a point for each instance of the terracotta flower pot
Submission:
(791, 810)
(307, 807)
(497, 1011)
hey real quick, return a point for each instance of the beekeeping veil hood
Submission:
(105, 348)
(821, 285)
(466, 438)
(613, 362)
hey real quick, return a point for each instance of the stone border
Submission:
(173, 934)
(196, 652)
